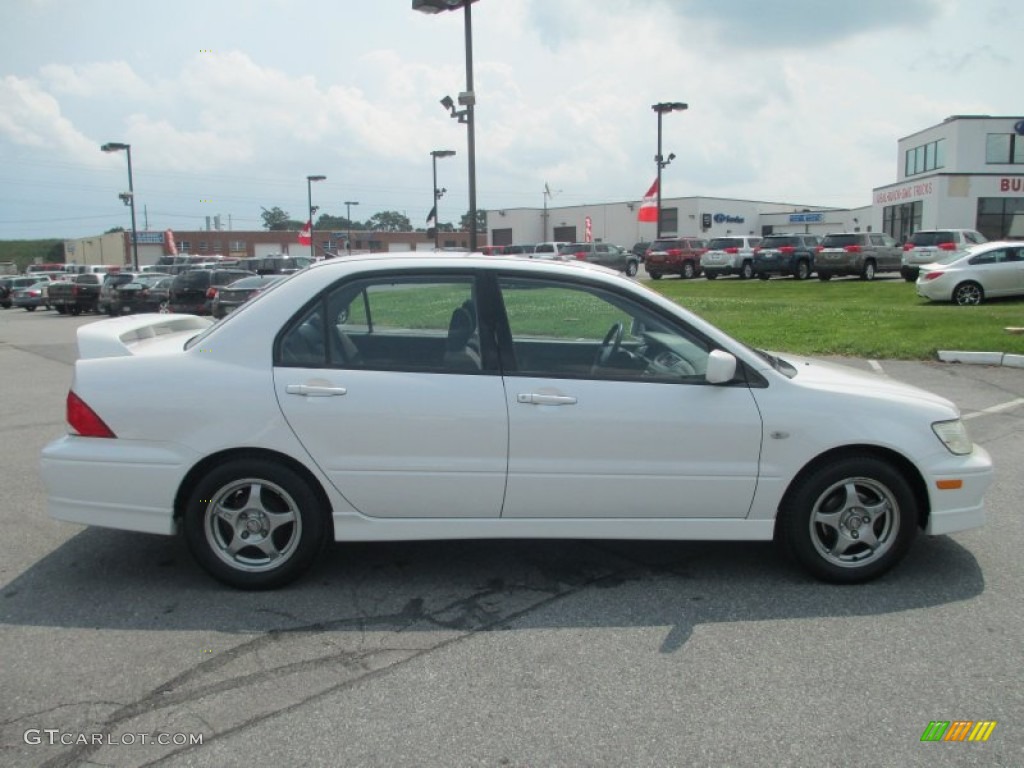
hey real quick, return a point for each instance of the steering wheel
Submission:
(610, 345)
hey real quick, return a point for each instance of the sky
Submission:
(229, 105)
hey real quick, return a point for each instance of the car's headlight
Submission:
(953, 435)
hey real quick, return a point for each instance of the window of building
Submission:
(927, 157)
(1001, 218)
(903, 220)
(184, 246)
(1004, 149)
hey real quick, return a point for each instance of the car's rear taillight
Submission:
(819, 248)
(947, 246)
(787, 249)
(581, 255)
(757, 249)
(211, 293)
(732, 250)
(852, 249)
(74, 290)
(83, 420)
(674, 252)
(908, 246)
(933, 275)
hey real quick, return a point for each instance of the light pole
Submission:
(661, 108)
(312, 210)
(466, 99)
(348, 218)
(129, 199)
(434, 154)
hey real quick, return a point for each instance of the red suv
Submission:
(675, 256)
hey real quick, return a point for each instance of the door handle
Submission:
(313, 390)
(534, 398)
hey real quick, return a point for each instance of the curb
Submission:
(982, 358)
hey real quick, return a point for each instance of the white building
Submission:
(966, 172)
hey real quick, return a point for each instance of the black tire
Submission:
(763, 276)
(655, 275)
(968, 294)
(868, 273)
(631, 268)
(62, 309)
(746, 271)
(287, 519)
(75, 310)
(860, 504)
(803, 270)
(711, 275)
(824, 276)
(30, 309)
(689, 271)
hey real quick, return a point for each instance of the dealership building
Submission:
(966, 172)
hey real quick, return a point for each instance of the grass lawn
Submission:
(880, 319)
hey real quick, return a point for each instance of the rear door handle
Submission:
(534, 398)
(313, 390)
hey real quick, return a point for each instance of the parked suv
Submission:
(857, 253)
(785, 255)
(605, 254)
(675, 256)
(193, 291)
(730, 256)
(546, 250)
(927, 245)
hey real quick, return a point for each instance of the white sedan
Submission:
(985, 271)
(464, 396)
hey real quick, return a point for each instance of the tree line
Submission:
(383, 221)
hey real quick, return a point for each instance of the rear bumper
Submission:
(124, 484)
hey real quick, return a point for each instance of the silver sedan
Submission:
(984, 272)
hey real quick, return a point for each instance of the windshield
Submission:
(932, 238)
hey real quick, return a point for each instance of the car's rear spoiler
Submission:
(117, 337)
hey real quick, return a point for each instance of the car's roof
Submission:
(455, 260)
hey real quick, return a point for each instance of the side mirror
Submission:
(721, 367)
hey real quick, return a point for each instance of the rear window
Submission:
(721, 243)
(774, 241)
(196, 278)
(841, 241)
(664, 245)
(932, 238)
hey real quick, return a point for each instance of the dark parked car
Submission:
(675, 256)
(32, 296)
(8, 285)
(146, 293)
(230, 297)
(640, 249)
(605, 254)
(108, 290)
(857, 253)
(785, 255)
(193, 291)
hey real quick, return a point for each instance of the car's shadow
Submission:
(108, 579)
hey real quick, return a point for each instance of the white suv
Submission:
(730, 256)
(926, 245)
(547, 250)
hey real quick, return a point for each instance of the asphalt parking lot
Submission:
(501, 653)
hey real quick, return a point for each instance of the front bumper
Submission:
(963, 508)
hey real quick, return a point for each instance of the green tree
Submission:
(481, 221)
(114, 229)
(336, 223)
(275, 219)
(389, 221)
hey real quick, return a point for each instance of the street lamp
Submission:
(129, 197)
(348, 218)
(466, 99)
(434, 154)
(312, 210)
(661, 108)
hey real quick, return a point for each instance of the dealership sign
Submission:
(906, 192)
(806, 218)
(725, 218)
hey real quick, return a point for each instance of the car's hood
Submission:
(834, 377)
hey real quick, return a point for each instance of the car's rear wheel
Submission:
(631, 268)
(253, 524)
(655, 275)
(850, 520)
(710, 275)
(824, 276)
(746, 271)
(968, 294)
(689, 271)
(868, 273)
(30, 308)
(803, 270)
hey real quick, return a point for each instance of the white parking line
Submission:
(995, 409)
(877, 367)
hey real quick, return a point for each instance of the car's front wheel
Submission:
(746, 271)
(631, 268)
(869, 270)
(850, 520)
(803, 270)
(253, 524)
(655, 275)
(689, 271)
(968, 294)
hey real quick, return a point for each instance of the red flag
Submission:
(588, 236)
(649, 207)
(170, 247)
(306, 234)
